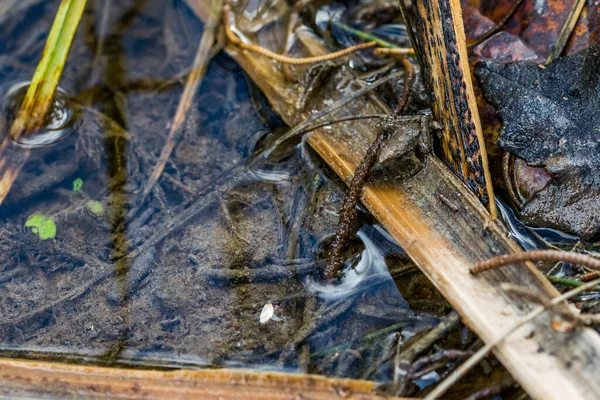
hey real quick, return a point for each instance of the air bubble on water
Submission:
(59, 122)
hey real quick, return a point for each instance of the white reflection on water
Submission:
(371, 264)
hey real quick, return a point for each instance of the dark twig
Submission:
(361, 175)
(537, 255)
(269, 273)
(405, 359)
(493, 391)
(425, 365)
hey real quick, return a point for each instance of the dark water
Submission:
(179, 278)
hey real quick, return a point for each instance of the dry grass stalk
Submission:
(201, 61)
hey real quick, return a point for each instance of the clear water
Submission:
(177, 278)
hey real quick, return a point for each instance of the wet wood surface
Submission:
(444, 228)
(30, 379)
(443, 49)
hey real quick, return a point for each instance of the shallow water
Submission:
(179, 278)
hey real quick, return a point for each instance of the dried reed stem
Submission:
(201, 61)
(465, 367)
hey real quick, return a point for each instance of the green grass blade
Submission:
(40, 93)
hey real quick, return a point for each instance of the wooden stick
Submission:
(464, 368)
(442, 45)
(33, 379)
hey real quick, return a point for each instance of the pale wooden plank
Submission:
(31, 379)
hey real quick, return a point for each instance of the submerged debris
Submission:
(268, 313)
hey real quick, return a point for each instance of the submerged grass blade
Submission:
(201, 61)
(40, 93)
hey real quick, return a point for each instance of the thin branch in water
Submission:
(185, 188)
(361, 175)
(464, 368)
(281, 58)
(405, 359)
(566, 31)
(497, 28)
(300, 128)
(425, 365)
(200, 65)
(537, 255)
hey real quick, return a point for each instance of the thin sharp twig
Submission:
(537, 255)
(199, 68)
(464, 368)
(566, 31)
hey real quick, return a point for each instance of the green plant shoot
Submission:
(77, 184)
(40, 93)
(41, 225)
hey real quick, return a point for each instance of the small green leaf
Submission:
(77, 184)
(41, 225)
(95, 207)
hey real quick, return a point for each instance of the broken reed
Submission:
(40, 94)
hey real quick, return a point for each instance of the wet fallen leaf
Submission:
(537, 23)
(550, 120)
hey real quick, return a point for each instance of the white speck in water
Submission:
(268, 313)
(271, 176)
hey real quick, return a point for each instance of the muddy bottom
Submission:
(91, 270)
